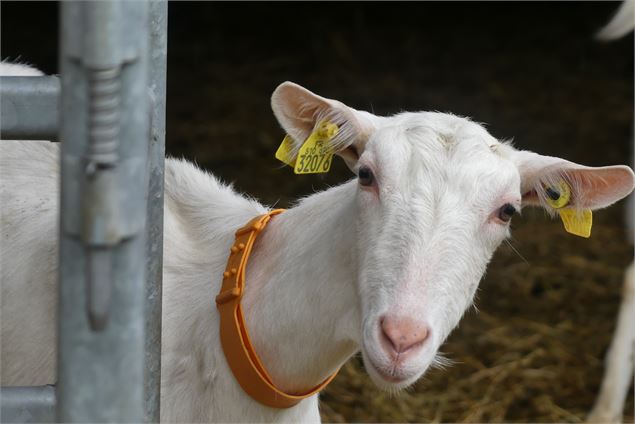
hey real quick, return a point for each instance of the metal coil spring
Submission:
(104, 92)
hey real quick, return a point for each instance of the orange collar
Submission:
(240, 354)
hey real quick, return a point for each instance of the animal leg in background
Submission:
(620, 359)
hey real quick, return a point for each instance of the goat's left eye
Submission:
(506, 212)
(365, 176)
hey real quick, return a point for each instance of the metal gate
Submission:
(107, 109)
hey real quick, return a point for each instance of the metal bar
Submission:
(29, 108)
(104, 186)
(27, 404)
(154, 264)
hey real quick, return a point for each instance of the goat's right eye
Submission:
(365, 176)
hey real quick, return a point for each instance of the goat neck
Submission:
(300, 299)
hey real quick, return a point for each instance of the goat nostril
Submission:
(389, 340)
(402, 335)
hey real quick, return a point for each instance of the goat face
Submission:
(434, 199)
(437, 207)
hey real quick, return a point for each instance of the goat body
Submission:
(201, 216)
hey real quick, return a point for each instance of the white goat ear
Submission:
(591, 188)
(299, 111)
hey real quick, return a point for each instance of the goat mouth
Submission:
(391, 376)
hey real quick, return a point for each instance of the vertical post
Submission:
(104, 135)
(158, 67)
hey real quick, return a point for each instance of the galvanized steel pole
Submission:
(154, 276)
(35, 404)
(104, 159)
(29, 108)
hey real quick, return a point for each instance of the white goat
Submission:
(620, 359)
(386, 263)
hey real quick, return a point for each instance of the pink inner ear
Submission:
(592, 188)
(531, 198)
(596, 188)
(304, 108)
(303, 119)
(296, 108)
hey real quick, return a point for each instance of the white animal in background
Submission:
(386, 263)
(621, 24)
(620, 359)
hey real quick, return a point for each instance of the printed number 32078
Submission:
(316, 159)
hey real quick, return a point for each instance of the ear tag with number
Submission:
(575, 222)
(315, 155)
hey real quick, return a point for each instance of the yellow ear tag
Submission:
(575, 222)
(315, 155)
(284, 152)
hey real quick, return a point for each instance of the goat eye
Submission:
(506, 212)
(365, 176)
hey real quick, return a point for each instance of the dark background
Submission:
(530, 70)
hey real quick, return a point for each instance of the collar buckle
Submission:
(228, 295)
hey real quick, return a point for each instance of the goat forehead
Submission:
(450, 129)
(423, 153)
(431, 134)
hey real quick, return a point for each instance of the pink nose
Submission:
(402, 334)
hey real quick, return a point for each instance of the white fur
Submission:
(322, 274)
(620, 360)
(621, 24)
(9, 69)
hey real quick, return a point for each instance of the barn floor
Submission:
(534, 350)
